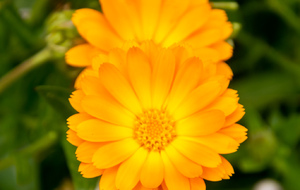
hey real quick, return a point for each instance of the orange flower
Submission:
(166, 22)
(155, 118)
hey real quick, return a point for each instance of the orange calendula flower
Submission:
(166, 22)
(155, 118)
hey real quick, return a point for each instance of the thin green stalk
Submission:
(41, 57)
(34, 149)
(225, 5)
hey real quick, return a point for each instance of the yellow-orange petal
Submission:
(129, 171)
(235, 131)
(117, 57)
(118, 86)
(81, 55)
(86, 150)
(227, 30)
(73, 138)
(139, 72)
(203, 38)
(139, 186)
(235, 116)
(88, 71)
(75, 100)
(89, 170)
(96, 130)
(230, 93)
(186, 25)
(209, 71)
(212, 174)
(85, 13)
(225, 104)
(171, 11)
(227, 166)
(218, 142)
(173, 178)
(222, 171)
(123, 17)
(95, 29)
(201, 123)
(74, 120)
(185, 81)
(107, 109)
(98, 60)
(207, 54)
(181, 52)
(196, 152)
(217, 19)
(197, 99)
(114, 153)
(108, 178)
(198, 2)
(91, 85)
(197, 184)
(224, 81)
(185, 166)
(151, 50)
(163, 186)
(149, 11)
(225, 49)
(163, 72)
(152, 173)
(224, 69)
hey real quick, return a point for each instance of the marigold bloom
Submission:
(155, 118)
(166, 22)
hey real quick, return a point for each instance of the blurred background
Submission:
(35, 34)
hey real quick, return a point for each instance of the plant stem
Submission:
(225, 5)
(41, 57)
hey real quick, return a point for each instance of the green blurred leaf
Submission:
(288, 167)
(27, 171)
(288, 131)
(262, 89)
(260, 150)
(57, 97)
(80, 183)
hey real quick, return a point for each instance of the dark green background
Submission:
(33, 151)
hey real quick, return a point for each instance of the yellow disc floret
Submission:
(154, 129)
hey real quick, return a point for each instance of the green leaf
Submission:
(288, 168)
(290, 136)
(80, 183)
(261, 90)
(27, 171)
(57, 97)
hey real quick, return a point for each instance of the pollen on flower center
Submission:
(154, 129)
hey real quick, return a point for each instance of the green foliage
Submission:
(80, 183)
(34, 104)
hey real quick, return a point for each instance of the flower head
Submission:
(153, 117)
(166, 22)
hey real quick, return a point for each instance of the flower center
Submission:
(154, 129)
